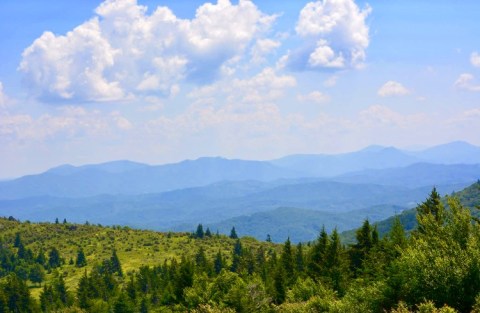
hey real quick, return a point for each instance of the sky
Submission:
(162, 81)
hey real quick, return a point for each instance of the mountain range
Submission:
(297, 194)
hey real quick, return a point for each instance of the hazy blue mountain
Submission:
(378, 157)
(299, 225)
(120, 166)
(323, 165)
(214, 203)
(419, 174)
(125, 177)
(456, 152)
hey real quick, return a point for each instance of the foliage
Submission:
(435, 270)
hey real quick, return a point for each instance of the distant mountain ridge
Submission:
(129, 178)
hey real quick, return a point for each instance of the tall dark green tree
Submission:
(81, 260)
(287, 262)
(233, 233)
(115, 263)
(199, 232)
(54, 259)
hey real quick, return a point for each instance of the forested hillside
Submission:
(63, 267)
(468, 197)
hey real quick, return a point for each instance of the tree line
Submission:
(436, 268)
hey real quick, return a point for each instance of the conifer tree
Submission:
(54, 259)
(218, 263)
(236, 256)
(208, 233)
(199, 232)
(81, 260)
(286, 259)
(233, 233)
(299, 259)
(317, 255)
(115, 263)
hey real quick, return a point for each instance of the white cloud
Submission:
(124, 52)
(314, 96)
(266, 86)
(379, 115)
(475, 59)
(331, 81)
(392, 88)
(262, 48)
(4, 100)
(340, 33)
(466, 81)
(67, 122)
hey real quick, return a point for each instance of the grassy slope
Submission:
(134, 247)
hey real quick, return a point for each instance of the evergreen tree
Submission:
(64, 221)
(201, 260)
(299, 259)
(199, 233)
(218, 263)
(17, 294)
(56, 220)
(41, 259)
(317, 255)
(287, 262)
(208, 233)
(36, 274)
(236, 256)
(280, 290)
(269, 239)
(115, 263)
(54, 259)
(233, 233)
(430, 213)
(121, 305)
(18, 241)
(81, 260)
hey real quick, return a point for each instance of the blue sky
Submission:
(161, 81)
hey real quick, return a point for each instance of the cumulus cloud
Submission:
(4, 100)
(314, 96)
(475, 59)
(392, 88)
(265, 86)
(379, 115)
(66, 122)
(124, 52)
(466, 81)
(336, 35)
(262, 48)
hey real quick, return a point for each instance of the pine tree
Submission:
(54, 259)
(317, 255)
(208, 233)
(18, 240)
(299, 259)
(115, 263)
(430, 213)
(199, 233)
(41, 259)
(218, 263)
(81, 260)
(286, 259)
(233, 233)
(236, 256)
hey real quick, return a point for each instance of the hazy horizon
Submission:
(159, 81)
